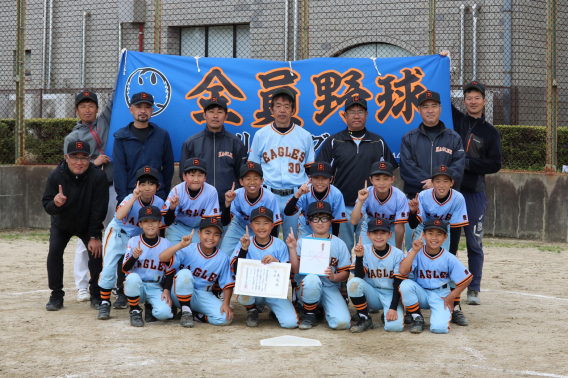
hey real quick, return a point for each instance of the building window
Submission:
(27, 63)
(375, 50)
(226, 41)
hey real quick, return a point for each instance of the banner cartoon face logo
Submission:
(151, 81)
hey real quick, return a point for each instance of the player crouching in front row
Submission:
(433, 267)
(198, 267)
(377, 278)
(314, 289)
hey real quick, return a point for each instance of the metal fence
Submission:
(54, 49)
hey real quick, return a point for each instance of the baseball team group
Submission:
(173, 252)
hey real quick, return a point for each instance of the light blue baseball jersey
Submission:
(432, 272)
(241, 207)
(381, 271)
(453, 210)
(284, 157)
(394, 207)
(339, 260)
(276, 248)
(333, 196)
(190, 210)
(130, 223)
(205, 269)
(148, 266)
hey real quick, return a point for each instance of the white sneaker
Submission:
(83, 295)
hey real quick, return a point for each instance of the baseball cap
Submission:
(382, 168)
(149, 212)
(442, 170)
(211, 221)
(284, 90)
(215, 101)
(147, 171)
(319, 207)
(475, 85)
(78, 146)
(379, 224)
(321, 168)
(429, 95)
(86, 95)
(141, 97)
(355, 99)
(250, 166)
(437, 224)
(262, 212)
(195, 163)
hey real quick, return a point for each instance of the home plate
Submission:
(289, 341)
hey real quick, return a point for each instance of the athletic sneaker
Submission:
(408, 318)
(362, 325)
(104, 311)
(121, 302)
(417, 325)
(308, 322)
(96, 303)
(54, 304)
(252, 318)
(136, 319)
(186, 319)
(459, 318)
(83, 295)
(473, 297)
(148, 317)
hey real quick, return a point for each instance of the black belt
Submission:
(281, 192)
(441, 287)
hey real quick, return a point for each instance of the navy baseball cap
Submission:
(262, 212)
(139, 98)
(429, 95)
(149, 212)
(379, 224)
(321, 168)
(355, 100)
(284, 90)
(437, 224)
(442, 170)
(475, 85)
(215, 101)
(211, 221)
(147, 171)
(382, 168)
(78, 146)
(250, 166)
(195, 163)
(86, 96)
(319, 207)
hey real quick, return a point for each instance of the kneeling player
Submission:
(433, 267)
(323, 290)
(198, 267)
(267, 249)
(377, 279)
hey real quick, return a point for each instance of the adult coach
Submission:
(142, 143)
(285, 151)
(76, 197)
(93, 130)
(223, 152)
(351, 153)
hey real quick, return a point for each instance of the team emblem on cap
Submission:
(356, 98)
(443, 168)
(320, 205)
(149, 211)
(251, 165)
(214, 220)
(144, 96)
(214, 99)
(379, 222)
(262, 210)
(474, 82)
(382, 166)
(146, 169)
(79, 145)
(85, 93)
(437, 223)
(195, 161)
(428, 94)
(320, 167)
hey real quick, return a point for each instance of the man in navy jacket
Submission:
(140, 144)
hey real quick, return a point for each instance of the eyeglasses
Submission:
(356, 112)
(323, 219)
(75, 159)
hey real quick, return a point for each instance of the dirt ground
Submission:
(520, 329)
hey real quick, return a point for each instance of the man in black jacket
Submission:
(223, 151)
(76, 197)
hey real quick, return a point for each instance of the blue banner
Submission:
(180, 85)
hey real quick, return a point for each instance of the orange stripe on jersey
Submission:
(430, 256)
(203, 254)
(344, 268)
(106, 244)
(263, 248)
(339, 221)
(150, 246)
(228, 286)
(258, 199)
(386, 200)
(445, 202)
(456, 225)
(465, 280)
(278, 132)
(401, 221)
(198, 194)
(326, 193)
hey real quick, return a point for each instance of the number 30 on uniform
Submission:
(294, 168)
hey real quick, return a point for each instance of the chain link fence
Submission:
(71, 46)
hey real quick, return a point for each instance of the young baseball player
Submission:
(433, 267)
(145, 272)
(267, 249)
(444, 203)
(123, 227)
(241, 202)
(318, 188)
(190, 201)
(377, 278)
(314, 289)
(383, 200)
(199, 266)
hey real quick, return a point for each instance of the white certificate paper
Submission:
(259, 280)
(314, 256)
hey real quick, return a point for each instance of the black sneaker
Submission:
(148, 317)
(408, 318)
(459, 318)
(308, 322)
(104, 311)
(96, 303)
(54, 304)
(252, 318)
(362, 325)
(186, 319)
(417, 325)
(121, 302)
(136, 319)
